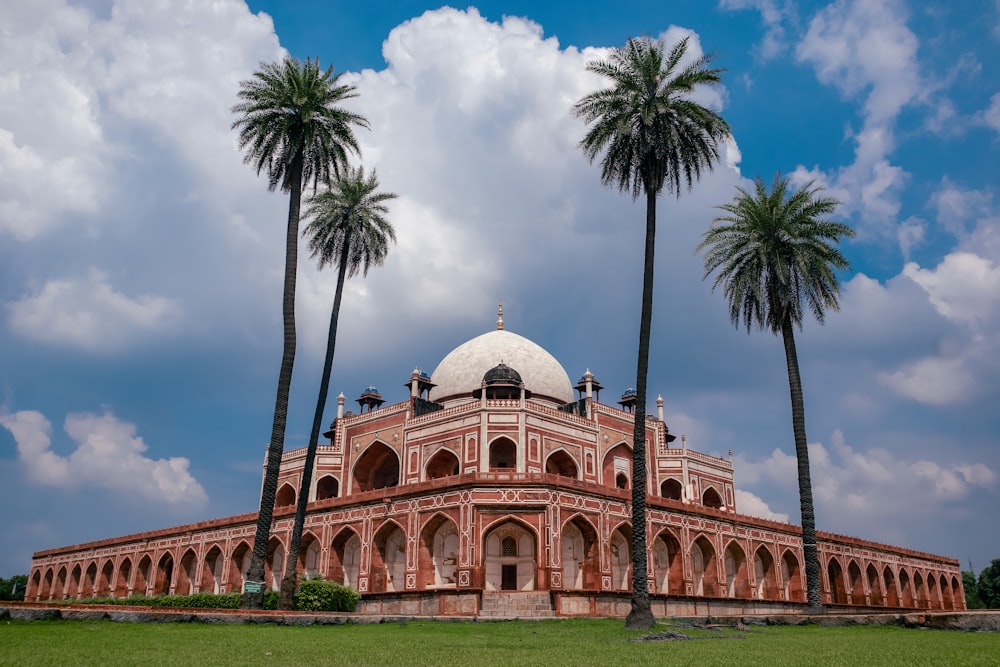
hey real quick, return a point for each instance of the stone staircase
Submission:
(516, 604)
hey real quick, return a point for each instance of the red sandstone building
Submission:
(498, 479)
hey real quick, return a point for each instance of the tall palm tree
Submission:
(652, 135)
(291, 127)
(349, 230)
(776, 257)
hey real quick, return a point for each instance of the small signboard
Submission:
(253, 586)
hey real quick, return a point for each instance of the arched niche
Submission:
(285, 496)
(765, 582)
(509, 557)
(503, 455)
(444, 463)
(874, 585)
(327, 487)
(345, 558)
(239, 566)
(711, 498)
(835, 580)
(668, 566)
(791, 578)
(737, 579)
(561, 463)
(439, 553)
(388, 569)
(617, 466)
(211, 571)
(671, 489)
(377, 468)
(705, 580)
(121, 581)
(580, 565)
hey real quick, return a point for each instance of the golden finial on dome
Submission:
(500, 316)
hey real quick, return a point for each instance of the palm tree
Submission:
(776, 256)
(291, 127)
(652, 135)
(348, 230)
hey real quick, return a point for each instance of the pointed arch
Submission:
(855, 584)
(668, 563)
(905, 588)
(835, 582)
(444, 463)
(503, 454)
(121, 587)
(737, 578)
(90, 580)
(933, 597)
(947, 601)
(956, 593)
(705, 577)
(919, 590)
(617, 466)
(438, 552)
(560, 462)
(891, 590)
(274, 565)
(310, 551)
(104, 579)
(45, 593)
(388, 567)
(711, 498)
(211, 571)
(764, 576)
(345, 558)
(59, 593)
(239, 567)
(791, 578)
(34, 586)
(164, 574)
(581, 565)
(671, 489)
(285, 496)
(75, 581)
(140, 586)
(620, 545)
(874, 586)
(509, 568)
(376, 468)
(186, 576)
(328, 486)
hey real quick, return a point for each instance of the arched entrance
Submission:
(503, 455)
(855, 585)
(327, 487)
(239, 567)
(791, 578)
(874, 585)
(704, 578)
(105, 579)
(835, 579)
(164, 574)
(388, 572)
(444, 463)
(671, 489)
(274, 564)
(621, 558)
(562, 464)
(211, 572)
(668, 568)
(905, 592)
(121, 581)
(509, 558)
(579, 565)
(378, 468)
(345, 561)
(439, 553)
(617, 466)
(141, 584)
(891, 592)
(737, 580)
(765, 586)
(711, 498)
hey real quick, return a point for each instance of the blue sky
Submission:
(140, 260)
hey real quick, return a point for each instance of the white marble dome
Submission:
(461, 371)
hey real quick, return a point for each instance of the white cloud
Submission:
(868, 487)
(991, 116)
(964, 287)
(79, 102)
(773, 17)
(865, 48)
(932, 380)
(749, 504)
(88, 313)
(109, 456)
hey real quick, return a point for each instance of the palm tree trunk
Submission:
(289, 582)
(277, 445)
(641, 616)
(813, 592)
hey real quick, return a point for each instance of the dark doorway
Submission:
(508, 577)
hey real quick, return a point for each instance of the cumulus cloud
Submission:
(89, 313)
(991, 116)
(109, 455)
(865, 48)
(749, 504)
(872, 486)
(773, 14)
(77, 91)
(964, 287)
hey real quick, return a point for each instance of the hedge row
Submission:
(312, 595)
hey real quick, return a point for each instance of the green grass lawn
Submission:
(580, 642)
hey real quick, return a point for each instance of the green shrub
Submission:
(271, 599)
(320, 595)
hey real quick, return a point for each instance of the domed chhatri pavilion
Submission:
(498, 487)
